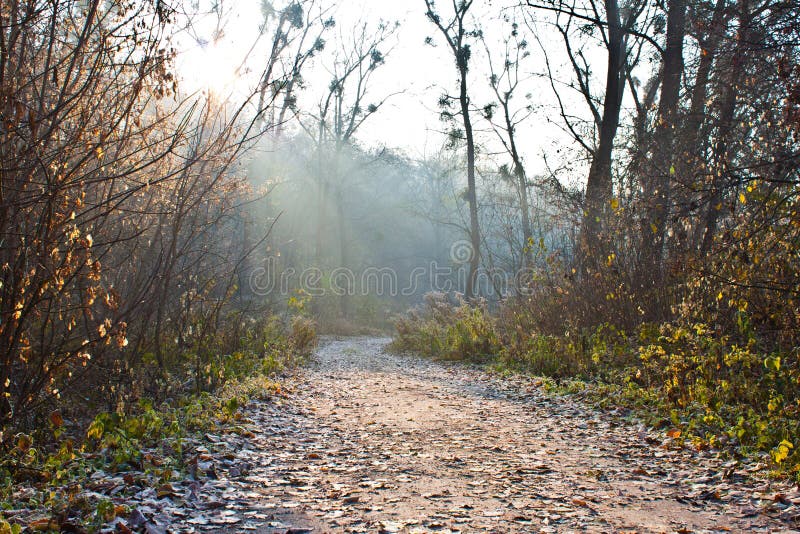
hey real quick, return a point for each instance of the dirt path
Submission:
(370, 442)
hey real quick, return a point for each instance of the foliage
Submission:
(118, 203)
(727, 392)
(440, 329)
(149, 437)
(715, 390)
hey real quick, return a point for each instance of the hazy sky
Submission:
(408, 121)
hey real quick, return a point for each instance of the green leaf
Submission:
(96, 430)
(773, 362)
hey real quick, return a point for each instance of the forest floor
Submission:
(367, 441)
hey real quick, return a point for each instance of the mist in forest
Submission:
(353, 226)
(191, 190)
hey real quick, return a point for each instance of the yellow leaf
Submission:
(781, 452)
(773, 362)
(742, 198)
(96, 430)
(614, 204)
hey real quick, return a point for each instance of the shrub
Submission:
(452, 331)
(244, 348)
(716, 390)
(726, 391)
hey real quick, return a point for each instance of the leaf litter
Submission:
(367, 441)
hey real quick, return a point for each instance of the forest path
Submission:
(367, 441)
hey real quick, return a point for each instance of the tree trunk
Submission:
(522, 188)
(696, 118)
(726, 124)
(472, 197)
(658, 181)
(599, 189)
(527, 234)
(692, 138)
(344, 300)
(322, 198)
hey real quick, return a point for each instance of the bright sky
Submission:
(408, 121)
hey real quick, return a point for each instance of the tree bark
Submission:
(472, 197)
(658, 181)
(599, 185)
(726, 124)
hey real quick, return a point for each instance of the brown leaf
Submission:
(56, 419)
(165, 491)
(24, 442)
(351, 499)
(43, 525)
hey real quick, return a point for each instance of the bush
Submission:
(726, 392)
(715, 390)
(243, 348)
(148, 435)
(451, 331)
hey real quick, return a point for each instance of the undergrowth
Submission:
(710, 389)
(47, 470)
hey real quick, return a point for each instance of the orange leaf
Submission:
(674, 433)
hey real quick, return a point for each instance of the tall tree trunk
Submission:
(527, 234)
(658, 181)
(599, 186)
(694, 122)
(344, 259)
(692, 138)
(522, 186)
(726, 124)
(341, 222)
(321, 211)
(322, 197)
(472, 197)
(641, 133)
(455, 34)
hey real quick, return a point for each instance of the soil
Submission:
(368, 441)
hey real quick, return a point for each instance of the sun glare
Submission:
(212, 68)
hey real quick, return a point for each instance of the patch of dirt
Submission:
(367, 441)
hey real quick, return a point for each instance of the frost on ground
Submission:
(366, 441)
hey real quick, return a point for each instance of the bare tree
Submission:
(615, 26)
(456, 33)
(343, 109)
(505, 82)
(297, 37)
